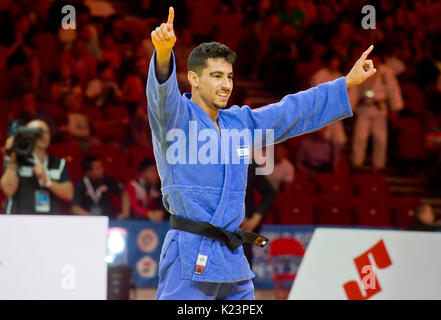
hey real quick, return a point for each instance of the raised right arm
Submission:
(165, 109)
(163, 38)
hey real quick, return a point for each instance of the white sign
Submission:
(370, 264)
(53, 257)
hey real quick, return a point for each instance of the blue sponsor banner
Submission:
(261, 260)
(142, 249)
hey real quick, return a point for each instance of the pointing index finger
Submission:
(366, 53)
(171, 15)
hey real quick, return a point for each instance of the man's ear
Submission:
(193, 78)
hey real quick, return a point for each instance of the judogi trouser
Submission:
(170, 272)
(370, 120)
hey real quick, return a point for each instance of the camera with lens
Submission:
(24, 142)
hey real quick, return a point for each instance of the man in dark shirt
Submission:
(254, 216)
(38, 186)
(92, 192)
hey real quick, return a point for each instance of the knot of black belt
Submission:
(233, 240)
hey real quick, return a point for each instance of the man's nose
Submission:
(227, 84)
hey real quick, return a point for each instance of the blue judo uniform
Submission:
(215, 192)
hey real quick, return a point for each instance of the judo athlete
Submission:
(202, 256)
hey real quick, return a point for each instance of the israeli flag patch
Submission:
(243, 152)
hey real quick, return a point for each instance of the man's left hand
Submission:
(362, 69)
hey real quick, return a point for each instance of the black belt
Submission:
(232, 239)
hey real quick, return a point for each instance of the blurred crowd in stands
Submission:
(88, 85)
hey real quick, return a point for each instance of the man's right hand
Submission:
(163, 37)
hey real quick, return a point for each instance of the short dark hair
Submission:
(197, 60)
(87, 162)
(146, 163)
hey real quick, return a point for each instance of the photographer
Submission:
(33, 180)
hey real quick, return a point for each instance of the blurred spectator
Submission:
(144, 192)
(76, 126)
(424, 219)
(92, 192)
(88, 31)
(104, 89)
(316, 154)
(109, 51)
(182, 52)
(30, 111)
(21, 49)
(83, 62)
(35, 185)
(78, 130)
(68, 81)
(335, 132)
(30, 79)
(136, 133)
(373, 101)
(133, 88)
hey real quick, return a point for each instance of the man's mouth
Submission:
(223, 94)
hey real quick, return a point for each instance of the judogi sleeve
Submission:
(300, 113)
(163, 101)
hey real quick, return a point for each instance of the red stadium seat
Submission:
(93, 114)
(110, 132)
(371, 185)
(56, 112)
(301, 186)
(135, 154)
(343, 165)
(294, 210)
(411, 140)
(403, 210)
(117, 113)
(372, 212)
(413, 97)
(281, 251)
(336, 185)
(333, 210)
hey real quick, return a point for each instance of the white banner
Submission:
(53, 257)
(370, 264)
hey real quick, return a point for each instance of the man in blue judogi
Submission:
(202, 152)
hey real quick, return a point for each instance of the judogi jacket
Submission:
(184, 136)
